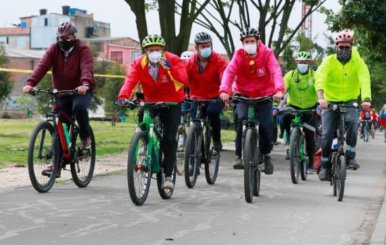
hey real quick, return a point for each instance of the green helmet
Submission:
(153, 40)
(303, 55)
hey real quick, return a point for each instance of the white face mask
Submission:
(250, 48)
(302, 68)
(154, 56)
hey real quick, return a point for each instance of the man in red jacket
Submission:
(205, 69)
(72, 68)
(162, 76)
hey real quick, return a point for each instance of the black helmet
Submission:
(202, 37)
(249, 32)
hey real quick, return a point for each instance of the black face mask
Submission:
(343, 55)
(66, 45)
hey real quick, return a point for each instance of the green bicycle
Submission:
(145, 154)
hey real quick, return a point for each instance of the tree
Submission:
(167, 11)
(6, 84)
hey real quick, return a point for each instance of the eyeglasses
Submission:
(344, 47)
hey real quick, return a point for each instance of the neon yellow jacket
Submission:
(342, 83)
(300, 89)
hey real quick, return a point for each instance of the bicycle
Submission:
(251, 156)
(181, 142)
(367, 130)
(145, 154)
(199, 148)
(338, 154)
(55, 143)
(297, 152)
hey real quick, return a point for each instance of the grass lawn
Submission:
(15, 133)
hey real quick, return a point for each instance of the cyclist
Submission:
(205, 69)
(341, 78)
(382, 119)
(299, 84)
(369, 116)
(162, 76)
(256, 73)
(185, 56)
(72, 68)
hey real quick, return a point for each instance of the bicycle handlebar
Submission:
(250, 100)
(148, 104)
(53, 92)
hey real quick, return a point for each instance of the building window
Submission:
(116, 56)
(135, 54)
(45, 21)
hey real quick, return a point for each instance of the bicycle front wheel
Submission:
(340, 176)
(42, 155)
(366, 133)
(181, 141)
(82, 169)
(295, 155)
(212, 159)
(250, 165)
(192, 156)
(138, 170)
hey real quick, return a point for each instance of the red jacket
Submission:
(68, 73)
(169, 84)
(205, 84)
(367, 115)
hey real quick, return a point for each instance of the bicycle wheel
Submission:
(295, 155)
(83, 165)
(42, 154)
(250, 164)
(304, 159)
(340, 173)
(257, 177)
(165, 193)
(181, 140)
(366, 133)
(212, 160)
(138, 170)
(192, 156)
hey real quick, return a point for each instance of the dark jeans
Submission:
(170, 118)
(329, 126)
(275, 129)
(77, 105)
(212, 110)
(309, 118)
(264, 116)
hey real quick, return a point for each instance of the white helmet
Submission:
(186, 55)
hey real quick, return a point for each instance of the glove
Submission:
(121, 102)
(165, 63)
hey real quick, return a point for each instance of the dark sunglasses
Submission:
(344, 47)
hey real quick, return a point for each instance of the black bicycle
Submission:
(55, 143)
(199, 148)
(181, 142)
(338, 154)
(253, 164)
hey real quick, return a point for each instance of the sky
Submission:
(122, 20)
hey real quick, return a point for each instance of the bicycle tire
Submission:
(295, 155)
(304, 162)
(82, 168)
(137, 169)
(249, 161)
(180, 149)
(192, 156)
(257, 178)
(341, 176)
(41, 141)
(333, 174)
(166, 193)
(212, 159)
(366, 133)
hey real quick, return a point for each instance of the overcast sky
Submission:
(119, 15)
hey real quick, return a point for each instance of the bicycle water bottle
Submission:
(334, 144)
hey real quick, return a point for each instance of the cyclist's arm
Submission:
(87, 67)
(177, 71)
(229, 75)
(364, 79)
(42, 68)
(287, 81)
(276, 74)
(131, 80)
(321, 76)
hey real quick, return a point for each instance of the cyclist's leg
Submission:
(241, 112)
(310, 118)
(351, 136)
(287, 119)
(170, 119)
(265, 118)
(80, 105)
(275, 128)
(213, 112)
(329, 125)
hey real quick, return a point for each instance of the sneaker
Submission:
(168, 183)
(310, 169)
(352, 164)
(324, 174)
(239, 164)
(217, 145)
(48, 171)
(85, 143)
(268, 166)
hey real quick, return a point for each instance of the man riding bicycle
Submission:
(256, 73)
(341, 78)
(162, 76)
(299, 84)
(72, 68)
(205, 69)
(368, 116)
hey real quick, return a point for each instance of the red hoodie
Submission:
(169, 84)
(206, 83)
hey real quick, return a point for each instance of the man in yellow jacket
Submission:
(341, 78)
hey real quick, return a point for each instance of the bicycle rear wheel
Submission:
(82, 168)
(250, 165)
(212, 159)
(340, 173)
(192, 156)
(295, 155)
(138, 171)
(181, 140)
(43, 154)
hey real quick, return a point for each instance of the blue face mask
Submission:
(302, 68)
(205, 52)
